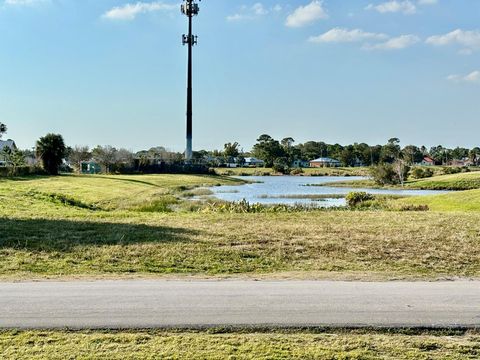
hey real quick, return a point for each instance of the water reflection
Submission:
(295, 190)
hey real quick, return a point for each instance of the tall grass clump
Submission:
(162, 205)
(244, 207)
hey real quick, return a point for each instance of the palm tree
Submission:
(51, 150)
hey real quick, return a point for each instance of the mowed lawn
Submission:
(462, 181)
(45, 345)
(98, 227)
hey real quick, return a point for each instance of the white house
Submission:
(254, 162)
(324, 162)
(427, 161)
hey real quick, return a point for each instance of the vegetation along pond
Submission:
(300, 190)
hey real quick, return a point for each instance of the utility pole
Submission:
(190, 8)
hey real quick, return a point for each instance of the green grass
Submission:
(457, 201)
(462, 181)
(360, 345)
(124, 226)
(109, 192)
(454, 182)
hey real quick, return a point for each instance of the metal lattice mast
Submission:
(190, 8)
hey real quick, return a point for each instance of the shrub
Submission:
(384, 174)
(354, 199)
(388, 174)
(20, 171)
(452, 170)
(281, 166)
(421, 173)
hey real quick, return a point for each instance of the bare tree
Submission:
(105, 156)
(77, 155)
(401, 169)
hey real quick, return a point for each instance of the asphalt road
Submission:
(199, 304)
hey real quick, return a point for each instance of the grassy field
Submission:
(462, 181)
(462, 201)
(100, 227)
(342, 171)
(360, 345)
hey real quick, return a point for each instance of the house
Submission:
(9, 144)
(254, 162)
(427, 161)
(324, 162)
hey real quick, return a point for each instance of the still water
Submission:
(298, 190)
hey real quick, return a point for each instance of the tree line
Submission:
(51, 150)
(271, 151)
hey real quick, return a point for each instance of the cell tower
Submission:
(190, 8)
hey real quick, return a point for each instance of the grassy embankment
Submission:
(454, 182)
(465, 187)
(360, 345)
(122, 226)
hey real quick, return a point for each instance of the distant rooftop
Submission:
(325, 160)
(7, 143)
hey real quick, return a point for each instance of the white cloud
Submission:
(341, 35)
(130, 11)
(374, 41)
(252, 12)
(308, 14)
(468, 39)
(405, 7)
(472, 78)
(396, 43)
(259, 9)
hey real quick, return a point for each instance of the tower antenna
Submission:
(189, 8)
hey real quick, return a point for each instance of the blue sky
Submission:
(113, 72)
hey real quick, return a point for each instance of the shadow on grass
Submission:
(135, 181)
(64, 235)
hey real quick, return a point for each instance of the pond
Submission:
(300, 190)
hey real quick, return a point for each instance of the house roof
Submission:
(325, 160)
(252, 159)
(428, 159)
(8, 143)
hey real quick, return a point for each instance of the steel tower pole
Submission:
(190, 9)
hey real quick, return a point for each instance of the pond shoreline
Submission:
(297, 190)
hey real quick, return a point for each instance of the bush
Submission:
(384, 174)
(452, 170)
(355, 199)
(20, 171)
(421, 173)
(388, 174)
(281, 166)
